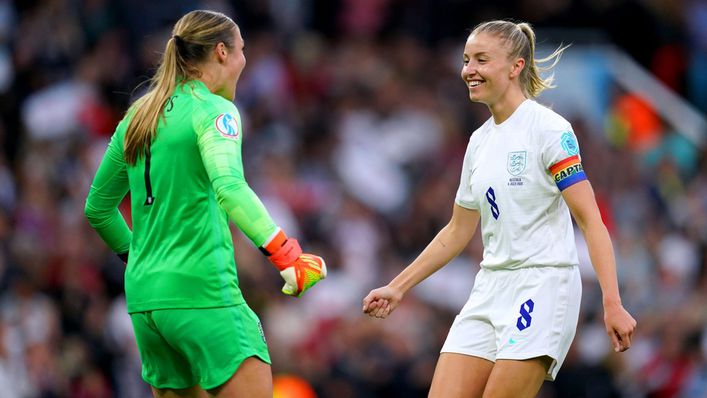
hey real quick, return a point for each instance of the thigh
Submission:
(472, 332)
(215, 341)
(193, 392)
(460, 376)
(517, 379)
(163, 367)
(253, 379)
(539, 316)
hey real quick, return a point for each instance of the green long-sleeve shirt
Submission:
(182, 196)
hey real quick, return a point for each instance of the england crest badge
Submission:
(516, 162)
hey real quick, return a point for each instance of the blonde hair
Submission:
(193, 38)
(521, 41)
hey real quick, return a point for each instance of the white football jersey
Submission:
(513, 174)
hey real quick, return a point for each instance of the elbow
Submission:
(586, 223)
(226, 189)
(582, 220)
(457, 235)
(92, 214)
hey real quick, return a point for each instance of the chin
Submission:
(475, 98)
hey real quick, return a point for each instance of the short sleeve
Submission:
(464, 197)
(561, 158)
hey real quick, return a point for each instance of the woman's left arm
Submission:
(619, 323)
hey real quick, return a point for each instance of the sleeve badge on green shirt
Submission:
(227, 125)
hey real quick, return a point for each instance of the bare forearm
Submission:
(619, 323)
(442, 249)
(601, 253)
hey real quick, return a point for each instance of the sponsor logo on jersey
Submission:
(516, 162)
(569, 143)
(227, 125)
(568, 172)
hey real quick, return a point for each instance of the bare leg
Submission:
(460, 376)
(253, 379)
(517, 379)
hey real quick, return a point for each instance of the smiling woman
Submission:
(487, 52)
(521, 178)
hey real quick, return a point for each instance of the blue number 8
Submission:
(524, 319)
(491, 198)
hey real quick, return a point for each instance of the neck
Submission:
(211, 79)
(504, 108)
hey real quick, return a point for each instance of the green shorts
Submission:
(181, 348)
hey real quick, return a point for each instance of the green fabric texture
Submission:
(180, 348)
(181, 248)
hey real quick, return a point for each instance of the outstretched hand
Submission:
(382, 302)
(620, 326)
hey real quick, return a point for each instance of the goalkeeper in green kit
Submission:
(178, 152)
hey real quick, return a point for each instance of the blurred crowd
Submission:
(355, 126)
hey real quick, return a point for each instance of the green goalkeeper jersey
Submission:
(183, 192)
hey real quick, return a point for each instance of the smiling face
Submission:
(488, 71)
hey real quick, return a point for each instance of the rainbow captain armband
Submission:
(568, 172)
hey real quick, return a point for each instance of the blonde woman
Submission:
(178, 152)
(522, 177)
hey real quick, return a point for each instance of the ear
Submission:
(221, 52)
(517, 67)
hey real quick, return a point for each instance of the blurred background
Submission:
(355, 126)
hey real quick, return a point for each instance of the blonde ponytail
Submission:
(193, 37)
(521, 40)
(531, 81)
(149, 108)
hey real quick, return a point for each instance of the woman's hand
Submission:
(382, 301)
(619, 326)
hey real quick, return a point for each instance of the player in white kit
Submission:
(522, 177)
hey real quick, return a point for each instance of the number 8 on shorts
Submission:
(524, 319)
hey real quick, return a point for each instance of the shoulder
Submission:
(480, 132)
(212, 110)
(476, 140)
(212, 113)
(206, 104)
(122, 126)
(548, 128)
(545, 119)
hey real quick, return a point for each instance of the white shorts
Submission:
(519, 314)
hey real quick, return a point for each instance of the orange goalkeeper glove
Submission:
(300, 271)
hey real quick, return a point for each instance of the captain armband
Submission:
(567, 172)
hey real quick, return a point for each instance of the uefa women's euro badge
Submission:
(569, 143)
(227, 125)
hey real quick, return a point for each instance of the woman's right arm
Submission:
(448, 243)
(109, 187)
